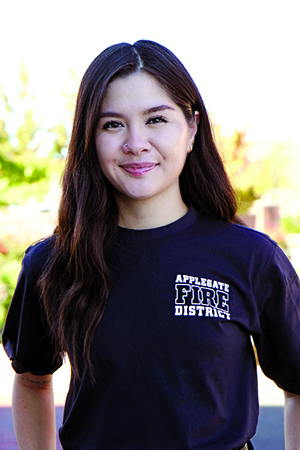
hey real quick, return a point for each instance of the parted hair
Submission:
(75, 282)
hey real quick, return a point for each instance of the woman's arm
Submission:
(34, 412)
(292, 421)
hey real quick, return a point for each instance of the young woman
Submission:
(149, 283)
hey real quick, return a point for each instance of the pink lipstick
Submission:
(138, 169)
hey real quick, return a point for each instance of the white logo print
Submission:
(201, 297)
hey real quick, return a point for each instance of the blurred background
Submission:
(243, 56)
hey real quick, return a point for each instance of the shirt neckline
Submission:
(151, 234)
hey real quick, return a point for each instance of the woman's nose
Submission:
(136, 142)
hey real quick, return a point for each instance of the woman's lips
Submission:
(138, 170)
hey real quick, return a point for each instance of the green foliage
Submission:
(31, 161)
(290, 224)
(235, 150)
(25, 175)
(252, 176)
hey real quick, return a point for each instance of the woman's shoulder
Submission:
(247, 248)
(36, 257)
(254, 236)
(231, 233)
(237, 242)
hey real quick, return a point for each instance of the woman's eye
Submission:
(157, 119)
(112, 124)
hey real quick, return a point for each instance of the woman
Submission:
(149, 282)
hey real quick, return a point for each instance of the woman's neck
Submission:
(149, 214)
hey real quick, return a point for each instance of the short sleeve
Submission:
(26, 337)
(278, 339)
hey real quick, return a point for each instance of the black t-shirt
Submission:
(174, 361)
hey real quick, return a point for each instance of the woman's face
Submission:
(142, 140)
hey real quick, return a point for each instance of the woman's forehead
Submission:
(139, 87)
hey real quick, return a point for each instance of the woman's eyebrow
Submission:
(110, 114)
(145, 113)
(158, 108)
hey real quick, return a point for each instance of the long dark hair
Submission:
(76, 281)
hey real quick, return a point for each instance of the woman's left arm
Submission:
(292, 421)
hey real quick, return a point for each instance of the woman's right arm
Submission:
(34, 412)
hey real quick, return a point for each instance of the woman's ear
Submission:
(194, 128)
(196, 118)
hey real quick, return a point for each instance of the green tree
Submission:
(242, 171)
(25, 175)
(31, 160)
(253, 170)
